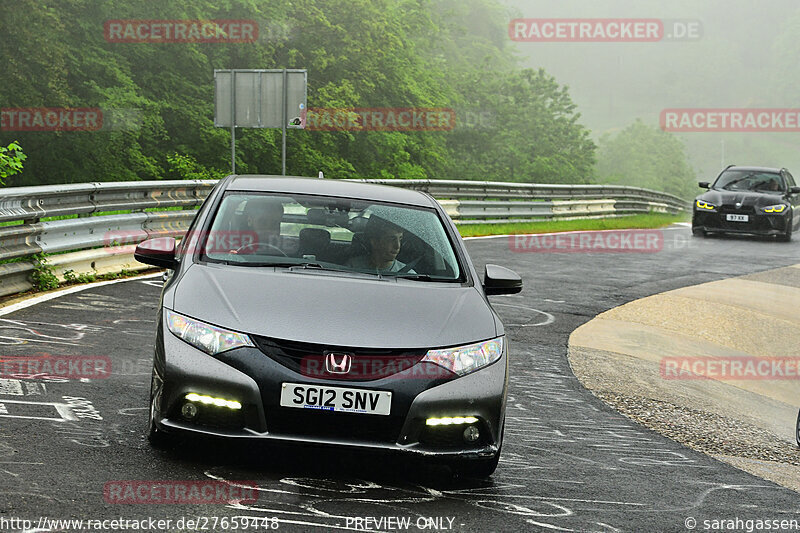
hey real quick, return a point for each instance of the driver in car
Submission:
(383, 240)
(264, 217)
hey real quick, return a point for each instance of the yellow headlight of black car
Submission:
(775, 208)
(705, 205)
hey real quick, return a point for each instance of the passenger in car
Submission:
(383, 242)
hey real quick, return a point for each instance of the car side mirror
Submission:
(794, 190)
(158, 252)
(500, 280)
(703, 184)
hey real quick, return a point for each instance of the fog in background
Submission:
(748, 57)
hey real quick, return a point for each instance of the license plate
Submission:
(338, 399)
(737, 218)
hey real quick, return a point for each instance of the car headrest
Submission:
(315, 236)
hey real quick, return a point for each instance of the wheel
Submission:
(797, 429)
(259, 245)
(699, 232)
(786, 237)
(156, 437)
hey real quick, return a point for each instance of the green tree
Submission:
(532, 132)
(11, 158)
(157, 99)
(645, 156)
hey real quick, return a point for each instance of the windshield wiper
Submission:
(417, 277)
(317, 266)
(288, 264)
(263, 263)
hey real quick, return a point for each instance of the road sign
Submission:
(260, 98)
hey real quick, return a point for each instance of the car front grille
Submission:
(367, 364)
(756, 223)
(743, 210)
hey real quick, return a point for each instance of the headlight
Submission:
(775, 208)
(465, 359)
(705, 205)
(205, 337)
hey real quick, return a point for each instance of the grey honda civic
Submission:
(329, 312)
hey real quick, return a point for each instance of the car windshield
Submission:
(749, 180)
(346, 235)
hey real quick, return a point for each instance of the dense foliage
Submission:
(11, 159)
(645, 156)
(513, 124)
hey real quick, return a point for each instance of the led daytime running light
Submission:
(210, 400)
(449, 421)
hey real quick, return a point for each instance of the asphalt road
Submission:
(569, 463)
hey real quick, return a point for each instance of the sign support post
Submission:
(260, 98)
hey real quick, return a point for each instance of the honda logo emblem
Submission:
(338, 363)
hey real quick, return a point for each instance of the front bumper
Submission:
(254, 379)
(757, 224)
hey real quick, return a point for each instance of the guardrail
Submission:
(88, 236)
(481, 202)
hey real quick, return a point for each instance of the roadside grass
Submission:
(649, 221)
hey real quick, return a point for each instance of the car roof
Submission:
(328, 187)
(758, 169)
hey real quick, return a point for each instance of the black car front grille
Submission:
(732, 209)
(719, 220)
(330, 425)
(366, 364)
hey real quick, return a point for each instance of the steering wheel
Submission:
(409, 266)
(256, 246)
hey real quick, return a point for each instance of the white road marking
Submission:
(71, 290)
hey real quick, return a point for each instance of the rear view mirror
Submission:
(158, 252)
(703, 184)
(500, 280)
(794, 190)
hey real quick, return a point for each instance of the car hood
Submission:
(317, 307)
(747, 199)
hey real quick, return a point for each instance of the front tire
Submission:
(699, 232)
(156, 437)
(797, 429)
(786, 237)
